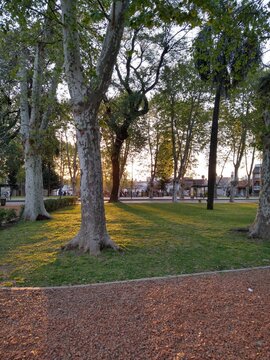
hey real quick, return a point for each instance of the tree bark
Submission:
(115, 159)
(93, 235)
(234, 184)
(121, 134)
(261, 225)
(213, 151)
(175, 190)
(239, 156)
(34, 208)
(249, 172)
(72, 164)
(34, 118)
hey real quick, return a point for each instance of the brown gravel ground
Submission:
(214, 316)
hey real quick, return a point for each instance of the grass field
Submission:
(158, 240)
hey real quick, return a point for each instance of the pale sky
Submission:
(141, 168)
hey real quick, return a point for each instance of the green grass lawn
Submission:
(158, 240)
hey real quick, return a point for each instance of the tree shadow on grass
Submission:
(156, 244)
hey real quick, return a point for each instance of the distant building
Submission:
(199, 187)
(241, 189)
(223, 185)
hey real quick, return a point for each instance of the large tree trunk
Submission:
(261, 225)
(93, 235)
(175, 190)
(34, 118)
(34, 208)
(86, 99)
(213, 151)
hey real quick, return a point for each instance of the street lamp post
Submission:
(132, 177)
(203, 186)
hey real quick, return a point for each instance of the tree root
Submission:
(93, 247)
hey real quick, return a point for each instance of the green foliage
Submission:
(263, 96)
(165, 161)
(151, 13)
(7, 215)
(181, 106)
(9, 105)
(51, 180)
(229, 44)
(263, 88)
(11, 161)
(257, 89)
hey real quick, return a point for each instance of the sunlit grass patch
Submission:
(158, 239)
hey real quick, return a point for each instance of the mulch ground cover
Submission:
(217, 316)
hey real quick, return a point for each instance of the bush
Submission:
(7, 215)
(54, 204)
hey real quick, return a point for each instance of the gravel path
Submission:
(216, 316)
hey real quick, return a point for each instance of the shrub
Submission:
(54, 204)
(7, 215)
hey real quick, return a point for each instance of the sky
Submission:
(141, 168)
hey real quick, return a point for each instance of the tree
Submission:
(142, 59)
(28, 34)
(49, 152)
(9, 107)
(159, 147)
(131, 146)
(11, 162)
(156, 29)
(39, 74)
(236, 118)
(181, 103)
(72, 162)
(225, 50)
(249, 168)
(9, 115)
(261, 226)
(51, 180)
(68, 153)
(86, 99)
